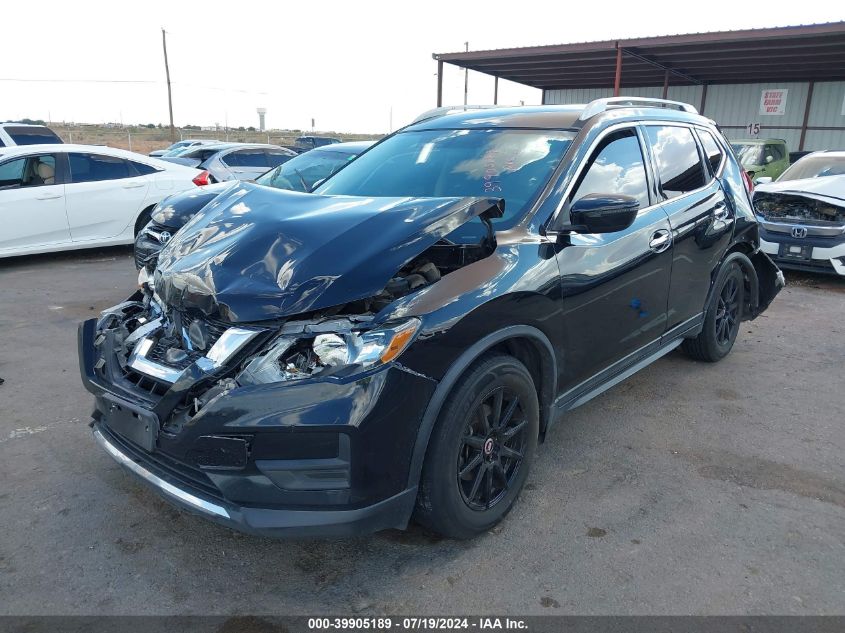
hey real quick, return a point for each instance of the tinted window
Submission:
(678, 162)
(95, 167)
(32, 135)
(2, 144)
(33, 171)
(275, 159)
(246, 158)
(142, 168)
(616, 167)
(502, 163)
(711, 150)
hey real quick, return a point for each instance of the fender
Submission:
(754, 306)
(457, 369)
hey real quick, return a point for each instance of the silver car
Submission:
(233, 161)
(182, 145)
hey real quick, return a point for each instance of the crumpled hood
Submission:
(174, 211)
(259, 253)
(829, 189)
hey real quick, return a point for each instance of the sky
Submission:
(360, 66)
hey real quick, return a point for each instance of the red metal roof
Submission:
(790, 53)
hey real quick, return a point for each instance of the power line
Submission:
(135, 81)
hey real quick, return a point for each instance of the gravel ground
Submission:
(688, 489)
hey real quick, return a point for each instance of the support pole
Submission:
(703, 98)
(666, 84)
(617, 83)
(169, 95)
(439, 83)
(466, 78)
(806, 115)
(496, 90)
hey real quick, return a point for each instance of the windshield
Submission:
(499, 163)
(304, 171)
(748, 153)
(815, 167)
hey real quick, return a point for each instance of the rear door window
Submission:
(616, 167)
(97, 167)
(679, 165)
(246, 158)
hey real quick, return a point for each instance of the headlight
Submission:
(293, 358)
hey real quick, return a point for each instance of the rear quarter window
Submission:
(712, 151)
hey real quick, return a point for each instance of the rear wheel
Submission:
(721, 322)
(481, 449)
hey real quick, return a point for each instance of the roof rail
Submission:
(443, 111)
(598, 106)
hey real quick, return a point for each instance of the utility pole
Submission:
(169, 94)
(466, 77)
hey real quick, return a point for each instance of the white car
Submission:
(12, 134)
(63, 197)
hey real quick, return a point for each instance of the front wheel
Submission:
(481, 449)
(721, 322)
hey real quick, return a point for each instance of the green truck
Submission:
(762, 158)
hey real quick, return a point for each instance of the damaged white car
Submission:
(802, 214)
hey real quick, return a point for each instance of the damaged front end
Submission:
(802, 223)
(260, 381)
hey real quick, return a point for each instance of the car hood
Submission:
(259, 253)
(829, 189)
(175, 211)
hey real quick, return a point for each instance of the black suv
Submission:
(397, 343)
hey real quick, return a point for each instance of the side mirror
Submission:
(769, 159)
(603, 213)
(762, 180)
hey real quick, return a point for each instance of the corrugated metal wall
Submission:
(734, 107)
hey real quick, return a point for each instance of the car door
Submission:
(104, 196)
(614, 285)
(247, 163)
(32, 203)
(699, 215)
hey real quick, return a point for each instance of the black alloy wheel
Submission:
(727, 312)
(480, 452)
(722, 318)
(492, 449)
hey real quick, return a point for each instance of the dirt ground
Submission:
(688, 489)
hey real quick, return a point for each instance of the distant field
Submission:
(144, 140)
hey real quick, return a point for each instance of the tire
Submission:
(468, 432)
(722, 320)
(143, 220)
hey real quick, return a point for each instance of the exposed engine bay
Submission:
(782, 207)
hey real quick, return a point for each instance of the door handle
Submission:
(660, 241)
(133, 185)
(721, 211)
(48, 196)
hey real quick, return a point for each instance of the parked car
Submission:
(12, 134)
(310, 142)
(762, 157)
(802, 214)
(398, 342)
(62, 197)
(181, 145)
(300, 173)
(233, 161)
